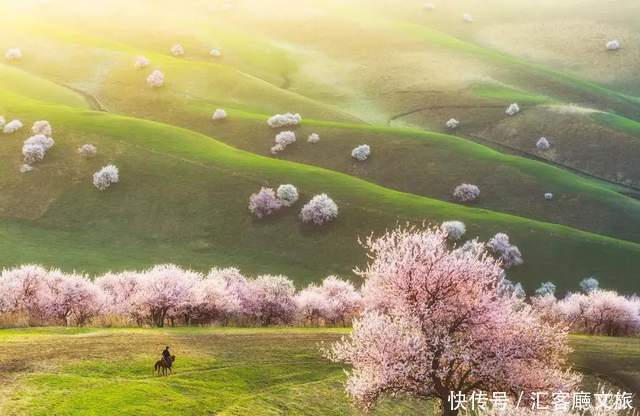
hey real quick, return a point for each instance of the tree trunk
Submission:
(446, 407)
(446, 410)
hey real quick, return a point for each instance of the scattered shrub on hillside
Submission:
(12, 126)
(589, 284)
(543, 144)
(313, 138)
(454, 230)
(275, 149)
(273, 300)
(13, 54)
(24, 168)
(422, 288)
(467, 18)
(548, 196)
(546, 289)
(219, 114)
(105, 177)
(177, 50)
(320, 210)
(41, 140)
(35, 148)
(155, 79)
(87, 150)
(263, 203)
(215, 52)
(512, 110)
(508, 254)
(452, 124)
(285, 138)
(361, 152)
(42, 127)
(466, 193)
(284, 120)
(141, 62)
(32, 153)
(613, 45)
(288, 194)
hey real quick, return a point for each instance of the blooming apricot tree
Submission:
(442, 325)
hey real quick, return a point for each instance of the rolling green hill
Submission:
(184, 193)
(183, 197)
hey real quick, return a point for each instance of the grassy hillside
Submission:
(404, 159)
(218, 370)
(183, 197)
(400, 69)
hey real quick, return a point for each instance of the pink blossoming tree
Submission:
(440, 324)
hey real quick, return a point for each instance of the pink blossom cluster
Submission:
(49, 295)
(168, 294)
(436, 320)
(334, 301)
(601, 312)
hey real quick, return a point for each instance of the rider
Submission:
(166, 356)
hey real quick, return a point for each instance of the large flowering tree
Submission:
(438, 323)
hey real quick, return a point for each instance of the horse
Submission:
(161, 366)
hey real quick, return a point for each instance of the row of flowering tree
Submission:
(170, 294)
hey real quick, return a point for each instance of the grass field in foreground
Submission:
(222, 371)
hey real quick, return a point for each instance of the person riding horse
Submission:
(166, 357)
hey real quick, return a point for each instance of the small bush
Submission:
(466, 193)
(155, 79)
(288, 194)
(87, 150)
(219, 114)
(177, 50)
(543, 144)
(13, 54)
(284, 120)
(263, 203)
(105, 177)
(512, 110)
(141, 62)
(320, 210)
(613, 45)
(313, 138)
(452, 124)
(42, 127)
(35, 148)
(453, 229)
(12, 126)
(361, 152)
